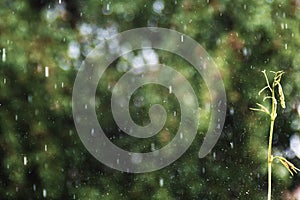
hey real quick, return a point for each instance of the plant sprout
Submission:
(273, 114)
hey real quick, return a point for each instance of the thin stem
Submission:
(270, 158)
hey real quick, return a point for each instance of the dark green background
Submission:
(243, 38)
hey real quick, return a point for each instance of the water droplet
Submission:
(4, 80)
(62, 84)
(25, 160)
(231, 145)
(34, 187)
(29, 98)
(106, 10)
(170, 89)
(16, 117)
(203, 170)
(152, 147)
(46, 147)
(3, 55)
(285, 46)
(174, 113)
(46, 71)
(92, 131)
(118, 161)
(181, 38)
(59, 1)
(231, 111)
(214, 155)
(161, 182)
(44, 193)
(181, 135)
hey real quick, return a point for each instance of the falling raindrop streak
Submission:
(46, 71)
(44, 193)
(161, 182)
(170, 89)
(3, 55)
(25, 160)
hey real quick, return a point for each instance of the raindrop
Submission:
(285, 46)
(170, 89)
(245, 6)
(46, 147)
(152, 147)
(74, 50)
(118, 161)
(181, 135)
(245, 51)
(3, 55)
(174, 113)
(62, 84)
(203, 170)
(16, 117)
(59, 1)
(161, 182)
(231, 111)
(92, 131)
(231, 145)
(25, 160)
(106, 10)
(4, 80)
(46, 71)
(214, 155)
(29, 98)
(34, 187)
(44, 193)
(181, 38)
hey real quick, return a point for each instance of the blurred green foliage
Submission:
(41, 153)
